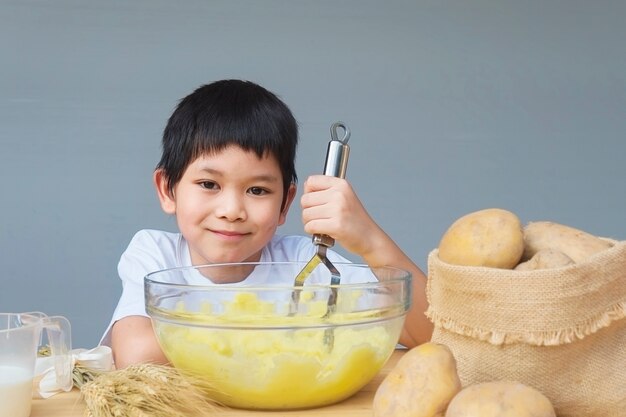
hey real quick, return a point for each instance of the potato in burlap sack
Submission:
(561, 331)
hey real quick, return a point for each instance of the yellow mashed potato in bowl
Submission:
(261, 353)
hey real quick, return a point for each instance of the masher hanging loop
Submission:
(346, 132)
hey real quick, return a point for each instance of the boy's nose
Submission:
(231, 207)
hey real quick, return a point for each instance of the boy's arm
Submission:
(330, 206)
(133, 341)
(417, 328)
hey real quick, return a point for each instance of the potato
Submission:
(491, 237)
(545, 259)
(576, 244)
(500, 399)
(420, 385)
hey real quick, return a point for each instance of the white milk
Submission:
(16, 391)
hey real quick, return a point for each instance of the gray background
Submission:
(454, 106)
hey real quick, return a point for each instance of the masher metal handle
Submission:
(336, 165)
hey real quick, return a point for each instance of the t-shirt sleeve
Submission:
(145, 254)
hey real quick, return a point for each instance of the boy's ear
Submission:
(168, 203)
(291, 194)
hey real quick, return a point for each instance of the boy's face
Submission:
(227, 205)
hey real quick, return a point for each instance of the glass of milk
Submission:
(20, 338)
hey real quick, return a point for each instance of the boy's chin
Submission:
(229, 258)
(229, 273)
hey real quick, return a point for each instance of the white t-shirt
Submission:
(155, 250)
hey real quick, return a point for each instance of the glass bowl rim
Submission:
(403, 276)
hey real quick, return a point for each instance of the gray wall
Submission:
(454, 106)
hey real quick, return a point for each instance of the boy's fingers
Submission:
(327, 226)
(333, 196)
(314, 190)
(320, 182)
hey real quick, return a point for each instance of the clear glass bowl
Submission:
(263, 350)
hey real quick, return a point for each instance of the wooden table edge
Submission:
(70, 404)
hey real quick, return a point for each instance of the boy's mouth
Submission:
(228, 234)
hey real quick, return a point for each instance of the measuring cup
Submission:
(20, 338)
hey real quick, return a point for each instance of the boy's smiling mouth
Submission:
(227, 234)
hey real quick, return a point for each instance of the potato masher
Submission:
(336, 164)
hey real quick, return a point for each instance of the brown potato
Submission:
(545, 259)
(420, 385)
(500, 399)
(576, 244)
(491, 237)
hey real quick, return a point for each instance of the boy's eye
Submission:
(209, 185)
(257, 191)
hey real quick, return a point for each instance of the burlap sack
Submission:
(561, 331)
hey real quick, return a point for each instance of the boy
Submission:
(227, 173)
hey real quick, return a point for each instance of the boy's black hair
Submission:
(229, 112)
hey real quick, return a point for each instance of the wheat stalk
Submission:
(147, 390)
(144, 390)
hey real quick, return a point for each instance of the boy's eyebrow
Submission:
(261, 177)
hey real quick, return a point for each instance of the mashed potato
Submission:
(279, 367)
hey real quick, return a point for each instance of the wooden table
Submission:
(69, 404)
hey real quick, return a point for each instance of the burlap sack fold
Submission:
(561, 331)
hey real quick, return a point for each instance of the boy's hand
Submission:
(331, 207)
